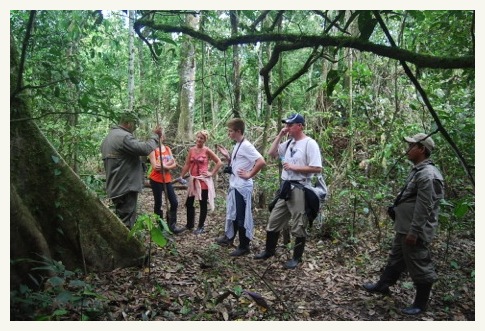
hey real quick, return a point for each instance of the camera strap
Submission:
(235, 154)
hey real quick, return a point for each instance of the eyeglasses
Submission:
(291, 124)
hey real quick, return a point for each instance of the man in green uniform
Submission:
(121, 153)
(416, 218)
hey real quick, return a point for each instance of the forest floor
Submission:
(194, 279)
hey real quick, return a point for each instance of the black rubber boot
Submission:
(389, 277)
(286, 236)
(240, 252)
(243, 248)
(224, 240)
(297, 253)
(379, 287)
(172, 223)
(423, 290)
(190, 217)
(271, 242)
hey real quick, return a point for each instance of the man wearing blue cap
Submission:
(301, 158)
(415, 214)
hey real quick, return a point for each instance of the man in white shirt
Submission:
(301, 158)
(244, 163)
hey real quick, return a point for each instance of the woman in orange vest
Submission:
(161, 180)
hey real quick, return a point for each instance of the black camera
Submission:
(391, 212)
(227, 170)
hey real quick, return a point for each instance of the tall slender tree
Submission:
(236, 65)
(188, 65)
(131, 60)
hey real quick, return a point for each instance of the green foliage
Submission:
(95, 183)
(238, 290)
(452, 215)
(358, 105)
(454, 265)
(333, 78)
(64, 294)
(451, 31)
(367, 23)
(156, 227)
(408, 285)
(185, 310)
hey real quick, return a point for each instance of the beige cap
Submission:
(423, 139)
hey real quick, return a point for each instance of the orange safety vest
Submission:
(166, 156)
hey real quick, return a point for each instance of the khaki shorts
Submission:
(290, 212)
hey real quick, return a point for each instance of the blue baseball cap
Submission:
(294, 118)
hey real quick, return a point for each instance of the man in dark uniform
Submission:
(121, 153)
(416, 218)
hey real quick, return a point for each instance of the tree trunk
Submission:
(187, 84)
(259, 105)
(236, 64)
(52, 213)
(131, 62)
(203, 115)
(212, 94)
(349, 82)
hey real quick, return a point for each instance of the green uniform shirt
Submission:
(418, 208)
(121, 153)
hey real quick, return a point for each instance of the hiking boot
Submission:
(423, 291)
(240, 252)
(224, 241)
(412, 310)
(297, 253)
(172, 220)
(270, 246)
(378, 287)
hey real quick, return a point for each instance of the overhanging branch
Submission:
(424, 96)
(297, 41)
(286, 42)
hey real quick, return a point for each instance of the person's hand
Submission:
(283, 131)
(287, 166)
(206, 173)
(223, 151)
(411, 239)
(158, 130)
(169, 162)
(243, 174)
